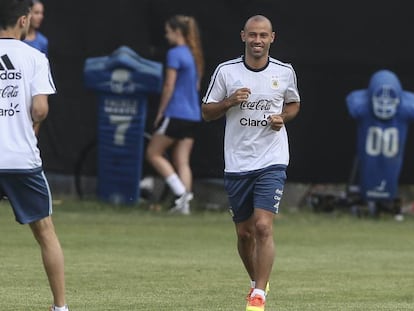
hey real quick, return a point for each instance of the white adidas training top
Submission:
(249, 142)
(24, 72)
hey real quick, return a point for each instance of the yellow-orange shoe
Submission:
(256, 303)
(251, 291)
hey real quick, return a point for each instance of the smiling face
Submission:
(258, 36)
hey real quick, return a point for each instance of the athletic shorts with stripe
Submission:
(28, 194)
(262, 188)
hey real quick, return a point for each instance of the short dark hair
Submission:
(11, 10)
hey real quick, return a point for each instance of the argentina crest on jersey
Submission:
(274, 83)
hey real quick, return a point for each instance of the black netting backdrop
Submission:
(333, 46)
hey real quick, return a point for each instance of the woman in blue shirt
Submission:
(179, 111)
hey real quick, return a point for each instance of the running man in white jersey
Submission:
(25, 83)
(258, 95)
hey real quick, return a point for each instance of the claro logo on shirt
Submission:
(260, 105)
(10, 111)
(7, 70)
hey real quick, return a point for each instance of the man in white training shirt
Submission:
(258, 95)
(25, 83)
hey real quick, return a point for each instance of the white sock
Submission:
(252, 284)
(176, 185)
(260, 292)
(56, 308)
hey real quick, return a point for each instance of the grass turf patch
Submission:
(129, 258)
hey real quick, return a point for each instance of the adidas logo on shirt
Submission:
(237, 84)
(7, 70)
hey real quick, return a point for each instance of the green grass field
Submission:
(129, 258)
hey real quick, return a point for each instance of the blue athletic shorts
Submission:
(28, 194)
(261, 188)
(177, 128)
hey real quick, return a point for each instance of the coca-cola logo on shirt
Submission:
(9, 91)
(262, 104)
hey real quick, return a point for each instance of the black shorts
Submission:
(177, 128)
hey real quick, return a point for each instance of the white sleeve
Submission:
(292, 93)
(42, 82)
(216, 90)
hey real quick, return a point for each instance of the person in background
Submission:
(26, 83)
(34, 37)
(179, 112)
(257, 94)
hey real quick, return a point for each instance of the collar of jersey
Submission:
(254, 69)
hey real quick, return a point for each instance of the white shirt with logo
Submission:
(24, 73)
(249, 142)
